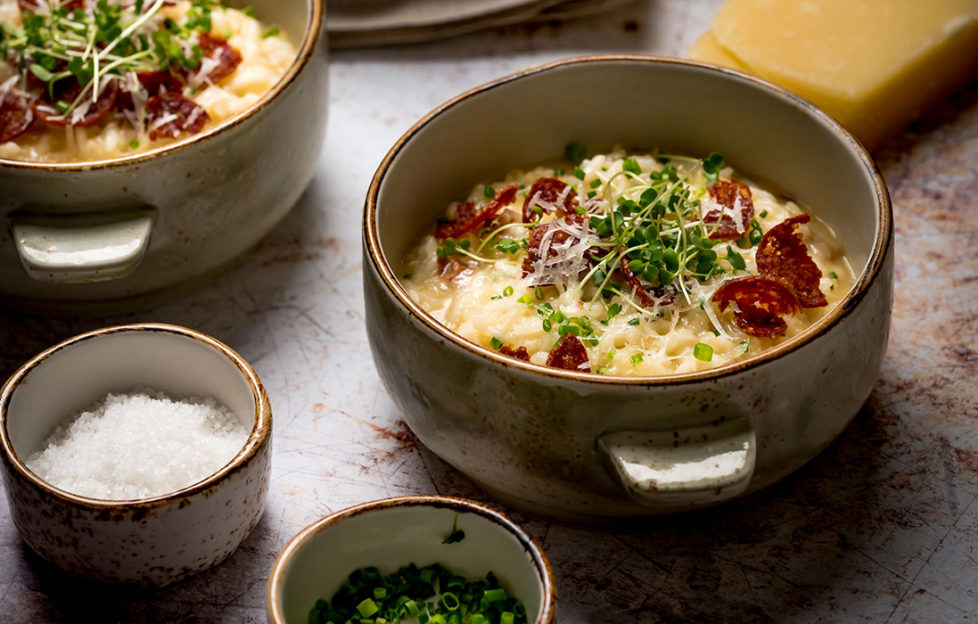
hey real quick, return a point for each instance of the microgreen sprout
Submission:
(711, 167)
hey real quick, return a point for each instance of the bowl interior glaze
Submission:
(392, 533)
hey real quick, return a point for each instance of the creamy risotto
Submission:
(88, 80)
(627, 265)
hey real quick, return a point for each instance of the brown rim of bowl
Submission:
(310, 40)
(858, 291)
(548, 610)
(259, 436)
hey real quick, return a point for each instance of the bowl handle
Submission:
(93, 247)
(695, 466)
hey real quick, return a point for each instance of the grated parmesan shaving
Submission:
(565, 266)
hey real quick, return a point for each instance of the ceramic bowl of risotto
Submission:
(622, 286)
(428, 554)
(149, 162)
(149, 461)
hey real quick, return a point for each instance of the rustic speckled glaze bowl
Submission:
(394, 532)
(585, 446)
(151, 541)
(123, 233)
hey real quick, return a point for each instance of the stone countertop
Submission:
(881, 527)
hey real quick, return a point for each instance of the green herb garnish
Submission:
(703, 352)
(712, 165)
(433, 594)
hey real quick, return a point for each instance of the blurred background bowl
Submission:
(111, 235)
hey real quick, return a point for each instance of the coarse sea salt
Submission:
(139, 445)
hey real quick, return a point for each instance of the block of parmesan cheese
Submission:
(874, 65)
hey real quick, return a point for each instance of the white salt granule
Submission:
(139, 445)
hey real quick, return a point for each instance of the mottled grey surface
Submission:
(882, 527)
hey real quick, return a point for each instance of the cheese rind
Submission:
(872, 64)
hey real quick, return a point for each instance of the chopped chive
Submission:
(271, 32)
(833, 275)
(637, 359)
(249, 11)
(495, 595)
(595, 183)
(703, 352)
(368, 607)
(495, 343)
(488, 191)
(763, 214)
(579, 173)
(635, 321)
(507, 291)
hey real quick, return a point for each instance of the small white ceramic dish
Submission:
(150, 541)
(395, 532)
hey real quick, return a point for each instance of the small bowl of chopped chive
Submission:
(137, 454)
(413, 559)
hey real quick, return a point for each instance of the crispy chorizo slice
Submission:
(32, 6)
(643, 296)
(782, 255)
(16, 115)
(569, 354)
(223, 59)
(726, 193)
(154, 82)
(97, 111)
(520, 353)
(171, 114)
(533, 246)
(550, 195)
(760, 304)
(468, 218)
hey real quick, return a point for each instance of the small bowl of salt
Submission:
(137, 454)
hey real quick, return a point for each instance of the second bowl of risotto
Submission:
(146, 144)
(627, 305)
